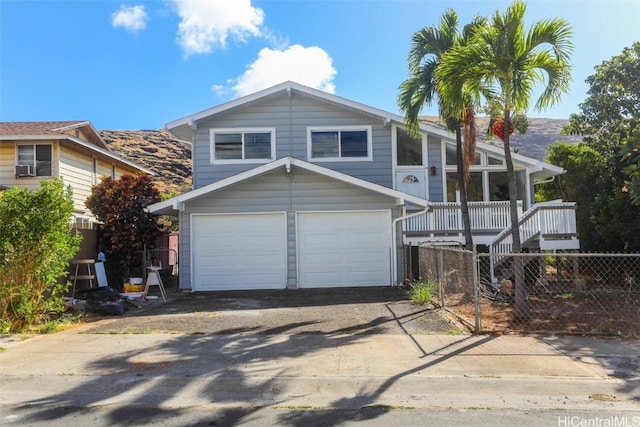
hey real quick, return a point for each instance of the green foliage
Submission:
(630, 160)
(455, 105)
(36, 245)
(504, 61)
(428, 48)
(605, 218)
(611, 112)
(168, 222)
(610, 126)
(421, 292)
(126, 227)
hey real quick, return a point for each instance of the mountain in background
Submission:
(540, 134)
(171, 160)
(156, 150)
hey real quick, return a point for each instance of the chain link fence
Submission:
(559, 292)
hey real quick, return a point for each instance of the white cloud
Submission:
(207, 24)
(310, 66)
(132, 18)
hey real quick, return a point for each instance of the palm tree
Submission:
(428, 47)
(511, 60)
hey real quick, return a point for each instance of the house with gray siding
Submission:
(298, 188)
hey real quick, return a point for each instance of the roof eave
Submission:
(184, 127)
(177, 202)
(37, 137)
(112, 156)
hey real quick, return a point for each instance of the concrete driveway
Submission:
(294, 354)
(328, 311)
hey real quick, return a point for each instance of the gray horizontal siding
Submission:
(277, 192)
(434, 153)
(184, 273)
(291, 116)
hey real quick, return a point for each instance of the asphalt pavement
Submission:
(297, 357)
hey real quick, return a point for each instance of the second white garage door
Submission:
(340, 249)
(239, 251)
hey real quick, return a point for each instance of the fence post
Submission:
(475, 265)
(441, 277)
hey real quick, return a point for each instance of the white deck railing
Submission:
(548, 220)
(447, 218)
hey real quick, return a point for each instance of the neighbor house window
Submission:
(342, 143)
(38, 156)
(250, 145)
(94, 170)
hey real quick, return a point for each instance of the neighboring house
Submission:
(298, 188)
(70, 150)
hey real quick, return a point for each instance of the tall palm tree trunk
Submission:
(462, 187)
(518, 261)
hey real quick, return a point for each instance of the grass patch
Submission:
(388, 407)
(296, 407)
(120, 332)
(421, 292)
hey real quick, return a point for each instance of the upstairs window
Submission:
(38, 156)
(409, 149)
(343, 143)
(242, 146)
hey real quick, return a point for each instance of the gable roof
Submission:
(177, 203)
(63, 130)
(184, 128)
(13, 130)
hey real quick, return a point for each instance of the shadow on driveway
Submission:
(344, 310)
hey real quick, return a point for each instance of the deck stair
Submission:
(545, 226)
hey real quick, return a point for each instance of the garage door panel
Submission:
(239, 251)
(344, 249)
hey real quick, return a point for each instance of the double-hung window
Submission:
(351, 143)
(38, 156)
(231, 145)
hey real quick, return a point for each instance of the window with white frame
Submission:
(488, 178)
(409, 148)
(339, 143)
(94, 170)
(242, 145)
(38, 156)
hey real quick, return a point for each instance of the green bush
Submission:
(36, 245)
(421, 292)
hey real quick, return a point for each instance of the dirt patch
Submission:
(583, 313)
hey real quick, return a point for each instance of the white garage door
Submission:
(337, 249)
(239, 251)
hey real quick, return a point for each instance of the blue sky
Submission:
(141, 64)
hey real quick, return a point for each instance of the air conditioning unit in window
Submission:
(24, 170)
